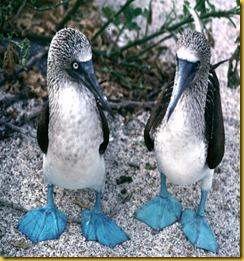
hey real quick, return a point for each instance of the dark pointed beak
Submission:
(186, 73)
(88, 77)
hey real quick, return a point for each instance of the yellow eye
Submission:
(75, 65)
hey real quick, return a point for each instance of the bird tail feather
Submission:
(196, 18)
(213, 67)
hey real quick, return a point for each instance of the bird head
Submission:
(193, 63)
(70, 58)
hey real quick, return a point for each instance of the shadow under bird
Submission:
(73, 134)
(186, 131)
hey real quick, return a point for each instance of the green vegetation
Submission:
(134, 69)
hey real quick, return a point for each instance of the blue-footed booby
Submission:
(73, 135)
(186, 131)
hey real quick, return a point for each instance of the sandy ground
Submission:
(22, 187)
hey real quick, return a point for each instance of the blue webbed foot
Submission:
(198, 231)
(159, 212)
(98, 227)
(41, 224)
(45, 223)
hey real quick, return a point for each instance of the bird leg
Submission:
(98, 227)
(161, 211)
(45, 223)
(163, 187)
(196, 227)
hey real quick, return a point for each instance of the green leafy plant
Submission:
(138, 51)
(126, 18)
(233, 72)
(135, 65)
(23, 46)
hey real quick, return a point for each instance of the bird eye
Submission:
(75, 65)
(177, 60)
(197, 65)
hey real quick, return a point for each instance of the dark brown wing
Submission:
(214, 125)
(105, 128)
(157, 114)
(42, 128)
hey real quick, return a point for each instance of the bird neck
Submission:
(66, 94)
(194, 97)
(191, 107)
(55, 76)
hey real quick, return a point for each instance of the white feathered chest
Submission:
(180, 143)
(75, 134)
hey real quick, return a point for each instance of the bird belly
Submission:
(181, 156)
(73, 160)
(76, 173)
